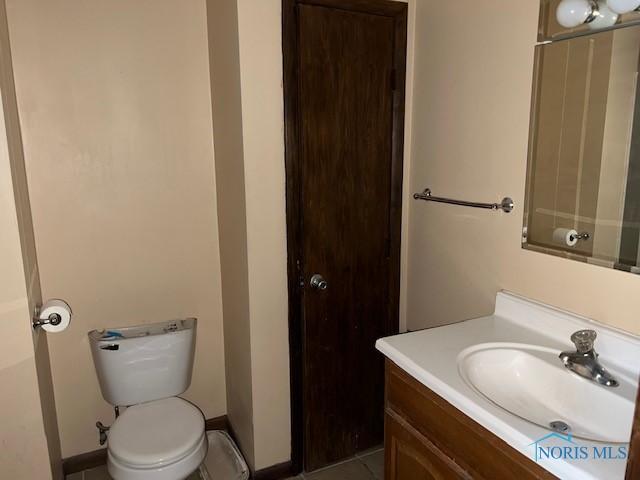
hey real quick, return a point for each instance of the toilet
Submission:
(158, 436)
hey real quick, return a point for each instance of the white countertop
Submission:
(430, 356)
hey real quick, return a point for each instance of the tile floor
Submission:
(100, 473)
(366, 466)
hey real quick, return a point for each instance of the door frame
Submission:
(398, 10)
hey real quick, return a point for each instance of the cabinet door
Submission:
(411, 456)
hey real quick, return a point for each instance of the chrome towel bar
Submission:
(506, 205)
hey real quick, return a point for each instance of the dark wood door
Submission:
(348, 187)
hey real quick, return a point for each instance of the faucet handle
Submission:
(584, 340)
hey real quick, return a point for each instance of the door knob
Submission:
(318, 282)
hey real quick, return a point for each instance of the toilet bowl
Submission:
(159, 436)
(159, 440)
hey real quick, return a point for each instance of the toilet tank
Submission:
(144, 363)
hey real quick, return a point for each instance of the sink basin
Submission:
(531, 382)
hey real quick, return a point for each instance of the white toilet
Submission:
(159, 436)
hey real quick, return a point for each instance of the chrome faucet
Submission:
(584, 361)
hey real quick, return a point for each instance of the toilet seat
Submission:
(161, 439)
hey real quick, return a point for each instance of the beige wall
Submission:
(27, 241)
(263, 121)
(246, 73)
(29, 437)
(222, 16)
(24, 453)
(470, 123)
(407, 185)
(116, 115)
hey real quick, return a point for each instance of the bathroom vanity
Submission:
(425, 437)
(490, 398)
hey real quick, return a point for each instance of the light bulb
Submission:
(623, 6)
(605, 17)
(572, 13)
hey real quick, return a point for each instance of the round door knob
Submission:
(318, 282)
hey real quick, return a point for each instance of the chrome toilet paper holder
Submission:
(53, 319)
(54, 313)
(582, 236)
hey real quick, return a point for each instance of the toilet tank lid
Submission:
(138, 331)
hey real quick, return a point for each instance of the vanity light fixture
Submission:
(604, 18)
(623, 6)
(596, 14)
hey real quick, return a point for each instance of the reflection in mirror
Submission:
(583, 187)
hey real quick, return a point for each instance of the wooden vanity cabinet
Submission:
(426, 438)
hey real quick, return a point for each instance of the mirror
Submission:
(583, 183)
